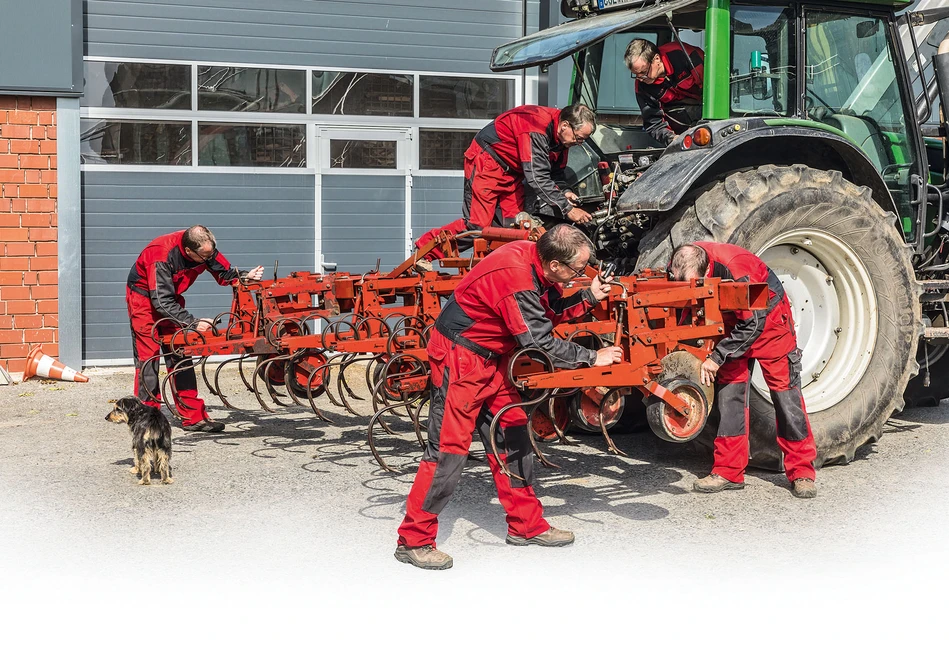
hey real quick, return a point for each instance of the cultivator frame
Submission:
(665, 329)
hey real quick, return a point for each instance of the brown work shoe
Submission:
(553, 537)
(804, 488)
(423, 265)
(425, 557)
(713, 483)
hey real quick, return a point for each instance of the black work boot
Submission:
(714, 483)
(425, 557)
(206, 425)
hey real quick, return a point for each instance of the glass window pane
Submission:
(351, 153)
(361, 93)
(443, 149)
(464, 98)
(137, 85)
(229, 144)
(135, 142)
(853, 86)
(763, 81)
(251, 89)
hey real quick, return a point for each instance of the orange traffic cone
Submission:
(42, 365)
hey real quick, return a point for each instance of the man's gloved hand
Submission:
(255, 274)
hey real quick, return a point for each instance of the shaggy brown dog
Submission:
(151, 438)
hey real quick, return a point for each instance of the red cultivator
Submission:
(306, 332)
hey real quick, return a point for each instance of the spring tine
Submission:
(204, 375)
(151, 396)
(217, 386)
(552, 414)
(341, 382)
(268, 382)
(240, 369)
(309, 395)
(378, 399)
(609, 441)
(492, 432)
(328, 380)
(289, 372)
(180, 366)
(178, 404)
(530, 434)
(416, 424)
(377, 416)
(371, 438)
(260, 399)
(164, 394)
(345, 384)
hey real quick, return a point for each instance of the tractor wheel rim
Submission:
(834, 305)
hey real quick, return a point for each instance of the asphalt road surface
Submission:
(283, 528)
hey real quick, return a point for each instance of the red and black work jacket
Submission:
(505, 302)
(162, 273)
(747, 329)
(524, 142)
(681, 85)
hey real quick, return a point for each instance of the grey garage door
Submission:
(256, 218)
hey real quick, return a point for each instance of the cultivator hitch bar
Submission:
(309, 335)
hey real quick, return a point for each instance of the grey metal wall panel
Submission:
(44, 38)
(426, 35)
(436, 200)
(363, 220)
(256, 218)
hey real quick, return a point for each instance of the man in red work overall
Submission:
(763, 336)
(525, 145)
(161, 274)
(512, 298)
(668, 85)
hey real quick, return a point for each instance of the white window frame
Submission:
(355, 122)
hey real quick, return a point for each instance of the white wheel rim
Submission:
(835, 313)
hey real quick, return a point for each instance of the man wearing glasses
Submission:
(668, 85)
(526, 145)
(164, 270)
(513, 298)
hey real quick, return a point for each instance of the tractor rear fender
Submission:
(677, 172)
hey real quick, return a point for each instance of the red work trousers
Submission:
(492, 194)
(142, 318)
(467, 390)
(780, 360)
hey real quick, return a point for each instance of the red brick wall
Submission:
(28, 261)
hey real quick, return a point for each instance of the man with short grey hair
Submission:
(668, 85)
(167, 267)
(526, 145)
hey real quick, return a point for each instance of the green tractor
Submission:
(812, 150)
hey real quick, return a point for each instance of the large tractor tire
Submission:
(851, 285)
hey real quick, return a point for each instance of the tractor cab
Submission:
(832, 68)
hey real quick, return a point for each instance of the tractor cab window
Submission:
(762, 80)
(852, 85)
(605, 84)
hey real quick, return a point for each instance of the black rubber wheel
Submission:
(667, 424)
(777, 210)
